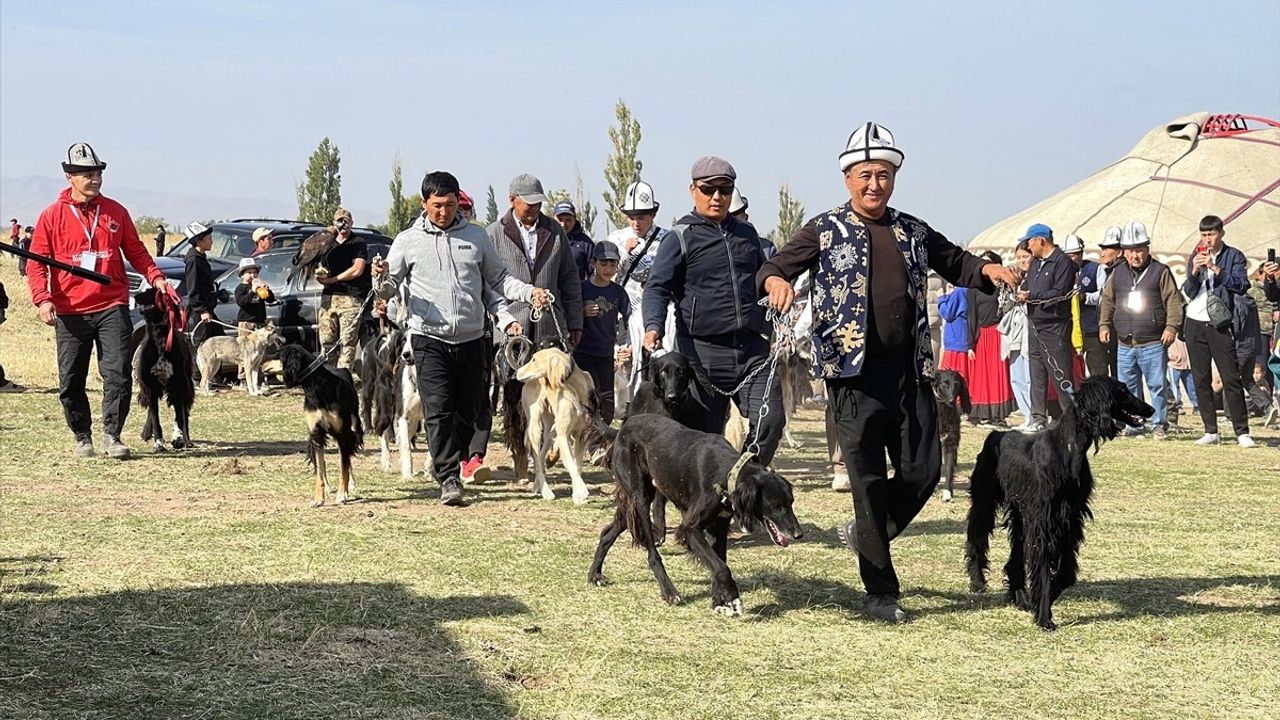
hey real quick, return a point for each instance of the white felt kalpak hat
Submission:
(1073, 244)
(1135, 235)
(870, 142)
(1112, 238)
(639, 199)
(738, 202)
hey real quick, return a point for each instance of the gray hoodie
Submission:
(447, 271)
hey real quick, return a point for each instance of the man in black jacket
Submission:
(202, 294)
(707, 265)
(1048, 294)
(870, 264)
(579, 243)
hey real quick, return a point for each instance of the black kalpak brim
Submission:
(82, 168)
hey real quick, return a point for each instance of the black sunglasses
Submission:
(710, 190)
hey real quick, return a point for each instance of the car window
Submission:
(231, 242)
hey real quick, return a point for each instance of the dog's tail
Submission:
(985, 494)
(514, 423)
(630, 478)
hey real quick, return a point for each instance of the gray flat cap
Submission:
(711, 167)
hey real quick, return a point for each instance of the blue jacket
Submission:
(1232, 281)
(954, 309)
(581, 246)
(711, 279)
(1089, 286)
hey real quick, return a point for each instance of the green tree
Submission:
(491, 208)
(320, 193)
(622, 168)
(147, 224)
(790, 217)
(403, 210)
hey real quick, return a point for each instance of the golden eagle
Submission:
(309, 260)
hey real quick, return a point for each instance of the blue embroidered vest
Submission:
(841, 283)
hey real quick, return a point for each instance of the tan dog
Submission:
(247, 352)
(556, 400)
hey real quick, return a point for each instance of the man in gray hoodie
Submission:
(446, 264)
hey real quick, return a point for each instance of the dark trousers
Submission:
(727, 360)
(109, 333)
(1205, 345)
(1099, 358)
(885, 409)
(159, 248)
(1049, 345)
(484, 415)
(601, 371)
(451, 382)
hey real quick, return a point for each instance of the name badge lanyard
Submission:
(1135, 300)
(88, 231)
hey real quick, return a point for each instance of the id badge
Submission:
(1135, 302)
(89, 260)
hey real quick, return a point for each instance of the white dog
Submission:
(247, 352)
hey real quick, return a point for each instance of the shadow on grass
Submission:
(294, 650)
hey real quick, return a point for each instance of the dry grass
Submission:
(199, 585)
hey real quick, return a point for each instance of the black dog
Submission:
(948, 390)
(691, 468)
(163, 368)
(664, 390)
(332, 410)
(1044, 483)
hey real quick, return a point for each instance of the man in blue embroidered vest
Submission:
(1049, 295)
(1142, 311)
(1099, 356)
(871, 330)
(707, 264)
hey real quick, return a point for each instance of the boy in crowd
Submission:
(604, 304)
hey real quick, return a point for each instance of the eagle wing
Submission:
(311, 254)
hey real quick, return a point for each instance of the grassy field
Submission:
(200, 585)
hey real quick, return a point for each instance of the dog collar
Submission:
(732, 478)
(312, 368)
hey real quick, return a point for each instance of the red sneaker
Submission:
(474, 470)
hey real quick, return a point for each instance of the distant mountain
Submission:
(24, 198)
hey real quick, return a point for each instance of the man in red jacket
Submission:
(87, 229)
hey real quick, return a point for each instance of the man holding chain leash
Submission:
(871, 332)
(1050, 287)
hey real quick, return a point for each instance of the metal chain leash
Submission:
(1064, 381)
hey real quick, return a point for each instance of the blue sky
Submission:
(996, 105)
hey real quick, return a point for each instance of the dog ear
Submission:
(963, 391)
(746, 501)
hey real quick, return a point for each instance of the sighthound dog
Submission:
(1043, 482)
(332, 411)
(948, 390)
(397, 406)
(247, 352)
(163, 372)
(557, 401)
(665, 389)
(692, 469)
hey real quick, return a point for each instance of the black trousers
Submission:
(1099, 358)
(1049, 345)
(601, 371)
(1205, 345)
(484, 415)
(451, 382)
(885, 409)
(109, 333)
(727, 360)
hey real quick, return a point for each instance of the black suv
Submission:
(234, 240)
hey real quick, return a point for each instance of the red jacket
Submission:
(62, 232)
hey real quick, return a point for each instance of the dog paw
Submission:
(672, 598)
(547, 494)
(1048, 625)
(977, 587)
(317, 503)
(946, 496)
(732, 609)
(597, 579)
(160, 447)
(581, 498)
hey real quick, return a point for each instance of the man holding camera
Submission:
(345, 289)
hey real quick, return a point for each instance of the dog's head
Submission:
(550, 365)
(670, 374)
(146, 303)
(266, 337)
(950, 389)
(1104, 405)
(294, 360)
(764, 498)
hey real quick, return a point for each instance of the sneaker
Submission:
(1160, 433)
(840, 482)
(116, 450)
(1032, 428)
(10, 386)
(885, 609)
(474, 470)
(1245, 441)
(84, 447)
(848, 534)
(1209, 439)
(451, 493)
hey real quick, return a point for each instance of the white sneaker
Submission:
(1246, 441)
(1209, 439)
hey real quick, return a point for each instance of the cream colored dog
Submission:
(556, 400)
(247, 352)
